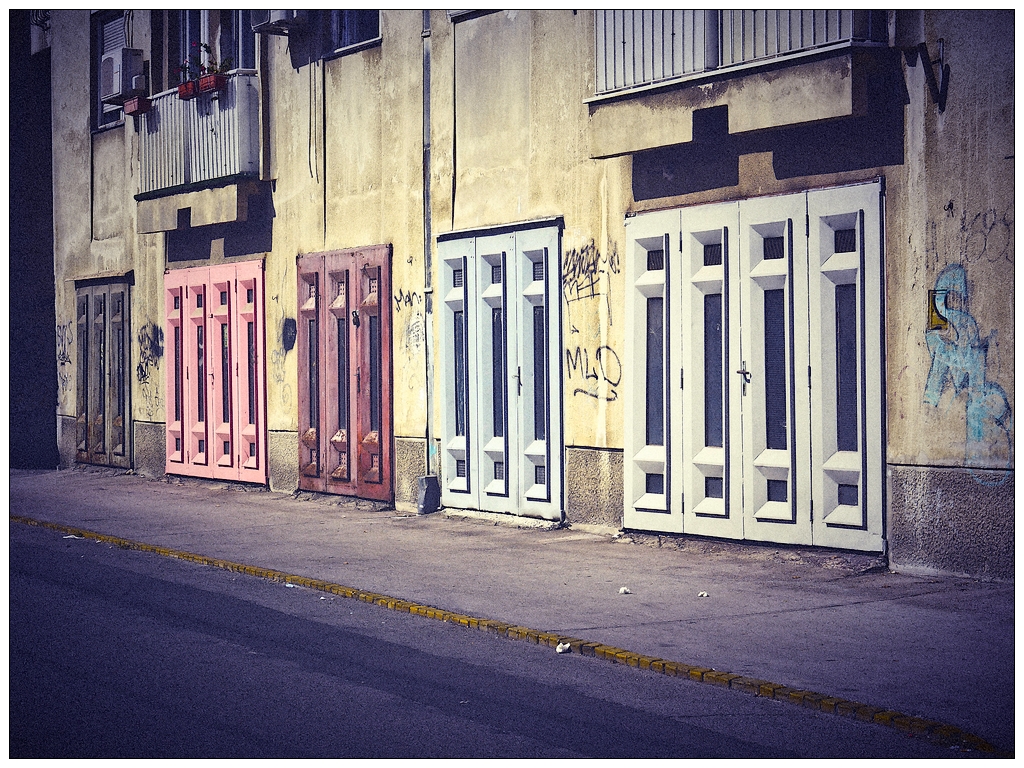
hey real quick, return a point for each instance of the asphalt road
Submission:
(116, 653)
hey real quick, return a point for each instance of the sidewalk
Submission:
(834, 623)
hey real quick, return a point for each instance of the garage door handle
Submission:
(746, 376)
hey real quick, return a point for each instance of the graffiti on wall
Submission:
(415, 333)
(595, 375)
(406, 299)
(65, 368)
(586, 274)
(959, 359)
(151, 351)
(976, 236)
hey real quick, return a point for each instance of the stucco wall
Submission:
(950, 217)
(95, 181)
(346, 149)
(514, 134)
(72, 187)
(950, 221)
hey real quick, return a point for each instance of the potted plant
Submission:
(199, 77)
(137, 105)
(188, 89)
(213, 74)
(188, 71)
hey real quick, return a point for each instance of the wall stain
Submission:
(959, 357)
(289, 332)
(600, 379)
(415, 333)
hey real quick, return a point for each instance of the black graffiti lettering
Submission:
(65, 338)
(585, 275)
(611, 366)
(582, 270)
(406, 299)
(606, 371)
(988, 235)
(151, 350)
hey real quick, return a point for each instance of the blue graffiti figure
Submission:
(960, 357)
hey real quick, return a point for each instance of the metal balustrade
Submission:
(649, 46)
(213, 136)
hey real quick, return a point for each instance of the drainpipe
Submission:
(429, 489)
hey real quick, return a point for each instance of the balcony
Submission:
(190, 144)
(648, 47)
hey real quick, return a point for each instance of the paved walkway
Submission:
(830, 630)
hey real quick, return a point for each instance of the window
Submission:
(641, 47)
(109, 34)
(348, 28)
(179, 36)
(499, 371)
(102, 324)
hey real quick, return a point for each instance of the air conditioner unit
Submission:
(118, 72)
(276, 22)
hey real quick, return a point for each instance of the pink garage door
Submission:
(344, 344)
(216, 405)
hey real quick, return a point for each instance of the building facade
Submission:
(737, 274)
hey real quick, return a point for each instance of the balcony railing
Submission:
(644, 47)
(213, 136)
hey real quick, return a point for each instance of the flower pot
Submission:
(216, 82)
(137, 106)
(188, 90)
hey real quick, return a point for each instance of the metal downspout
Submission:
(429, 497)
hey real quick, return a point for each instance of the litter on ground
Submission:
(624, 591)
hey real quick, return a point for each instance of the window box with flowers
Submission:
(202, 77)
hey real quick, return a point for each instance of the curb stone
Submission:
(942, 734)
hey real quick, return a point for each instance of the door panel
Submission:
(847, 354)
(215, 382)
(495, 429)
(538, 368)
(344, 339)
(647, 483)
(458, 464)
(771, 276)
(709, 387)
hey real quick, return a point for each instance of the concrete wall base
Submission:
(150, 448)
(951, 521)
(410, 465)
(593, 487)
(283, 460)
(66, 442)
